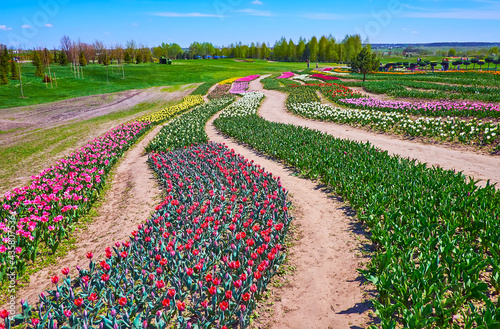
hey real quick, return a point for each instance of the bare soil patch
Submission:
(77, 109)
(39, 119)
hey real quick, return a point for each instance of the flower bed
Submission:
(201, 261)
(188, 128)
(472, 132)
(435, 257)
(286, 75)
(437, 108)
(239, 87)
(229, 81)
(247, 105)
(248, 78)
(304, 77)
(45, 211)
(169, 112)
(324, 77)
(220, 91)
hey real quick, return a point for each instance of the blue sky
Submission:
(42, 23)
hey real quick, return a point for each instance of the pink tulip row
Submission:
(420, 107)
(248, 78)
(286, 75)
(239, 87)
(324, 77)
(43, 210)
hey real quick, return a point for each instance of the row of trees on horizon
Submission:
(77, 52)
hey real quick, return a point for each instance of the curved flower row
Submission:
(171, 111)
(188, 128)
(437, 108)
(324, 77)
(286, 75)
(42, 213)
(220, 91)
(239, 87)
(304, 77)
(200, 261)
(229, 81)
(431, 254)
(248, 78)
(449, 129)
(246, 105)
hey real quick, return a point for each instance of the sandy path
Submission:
(132, 196)
(481, 167)
(324, 291)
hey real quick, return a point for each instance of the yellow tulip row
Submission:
(169, 112)
(229, 81)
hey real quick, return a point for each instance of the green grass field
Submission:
(136, 77)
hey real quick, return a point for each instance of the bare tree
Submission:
(100, 51)
(66, 44)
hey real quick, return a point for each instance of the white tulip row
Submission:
(444, 128)
(246, 105)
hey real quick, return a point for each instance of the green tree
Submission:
(14, 70)
(63, 59)
(313, 47)
(452, 52)
(365, 62)
(127, 58)
(306, 53)
(82, 60)
(322, 49)
(105, 58)
(301, 46)
(264, 52)
(4, 65)
(138, 58)
(291, 51)
(37, 61)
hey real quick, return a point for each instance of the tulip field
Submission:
(210, 248)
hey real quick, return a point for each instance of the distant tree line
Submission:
(326, 49)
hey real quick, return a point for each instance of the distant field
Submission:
(136, 77)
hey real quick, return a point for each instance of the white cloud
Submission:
(49, 25)
(135, 24)
(173, 14)
(25, 26)
(414, 32)
(253, 12)
(5, 28)
(257, 2)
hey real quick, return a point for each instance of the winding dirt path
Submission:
(132, 196)
(480, 167)
(324, 291)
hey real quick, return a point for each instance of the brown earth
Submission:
(44, 117)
